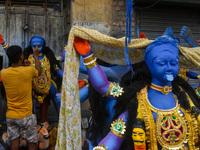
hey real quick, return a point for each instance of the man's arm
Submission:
(36, 52)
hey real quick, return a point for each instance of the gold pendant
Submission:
(171, 130)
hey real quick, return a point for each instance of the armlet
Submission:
(118, 128)
(55, 67)
(197, 91)
(58, 58)
(114, 89)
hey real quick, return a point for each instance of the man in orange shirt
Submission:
(17, 81)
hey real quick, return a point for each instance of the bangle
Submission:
(90, 61)
(100, 147)
(198, 76)
(86, 82)
(5, 46)
(89, 58)
(91, 65)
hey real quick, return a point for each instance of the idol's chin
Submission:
(138, 143)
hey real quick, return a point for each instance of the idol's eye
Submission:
(162, 63)
(39, 46)
(140, 134)
(174, 62)
(134, 135)
(34, 46)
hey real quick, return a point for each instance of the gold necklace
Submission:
(164, 111)
(164, 89)
(40, 54)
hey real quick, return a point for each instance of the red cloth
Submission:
(142, 35)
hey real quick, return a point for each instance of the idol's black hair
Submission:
(99, 114)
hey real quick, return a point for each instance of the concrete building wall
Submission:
(106, 16)
(92, 14)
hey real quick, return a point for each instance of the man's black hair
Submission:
(14, 52)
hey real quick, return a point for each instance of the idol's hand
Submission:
(82, 46)
(1, 40)
(185, 33)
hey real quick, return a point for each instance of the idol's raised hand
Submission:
(97, 77)
(82, 46)
(185, 33)
(3, 43)
(1, 40)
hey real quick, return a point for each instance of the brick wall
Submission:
(118, 26)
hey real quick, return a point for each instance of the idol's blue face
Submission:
(37, 44)
(165, 64)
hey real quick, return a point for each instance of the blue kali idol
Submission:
(156, 109)
(44, 87)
